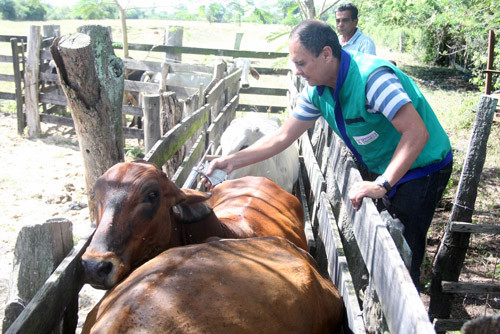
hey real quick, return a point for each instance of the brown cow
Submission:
(258, 285)
(141, 213)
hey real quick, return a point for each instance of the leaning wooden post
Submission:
(173, 37)
(453, 248)
(92, 78)
(31, 81)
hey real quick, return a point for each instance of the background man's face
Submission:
(346, 26)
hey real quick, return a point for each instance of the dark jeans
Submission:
(414, 204)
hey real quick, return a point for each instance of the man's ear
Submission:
(327, 53)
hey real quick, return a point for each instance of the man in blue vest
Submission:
(382, 117)
(350, 37)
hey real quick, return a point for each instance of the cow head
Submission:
(246, 65)
(135, 220)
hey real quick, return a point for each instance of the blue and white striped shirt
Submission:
(384, 94)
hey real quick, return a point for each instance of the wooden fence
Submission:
(16, 58)
(48, 93)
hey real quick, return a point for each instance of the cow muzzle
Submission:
(102, 273)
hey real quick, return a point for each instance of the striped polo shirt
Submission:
(384, 94)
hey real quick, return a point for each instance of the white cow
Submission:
(246, 65)
(283, 168)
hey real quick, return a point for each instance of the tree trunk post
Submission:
(92, 78)
(39, 250)
(453, 248)
(31, 81)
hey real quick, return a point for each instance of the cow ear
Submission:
(195, 196)
(254, 73)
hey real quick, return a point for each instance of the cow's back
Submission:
(257, 285)
(258, 207)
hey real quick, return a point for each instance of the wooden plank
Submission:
(144, 65)
(6, 38)
(190, 161)
(7, 96)
(301, 195)
(139, 86)
(5, 59)
(265, 91)
(262, 109)
(47, 76)
(7, 77)
(173, 140)
(388, 273)
(442, 325)
(47, 307)
(132, 110)
(215, 93)
(53, 97)
(222, 121)
(478, 288)
(203, 51)
(59, 120)
(133, 133)
(338, 268)
(232, 78)
(272, 71)
(190, 80)
(475, 228)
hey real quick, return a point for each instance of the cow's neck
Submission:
(194, 223)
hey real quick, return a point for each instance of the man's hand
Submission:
(363, 189)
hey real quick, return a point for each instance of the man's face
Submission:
(346, 26)
(308, 66)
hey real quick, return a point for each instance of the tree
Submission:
(7, 10)
(94, 10)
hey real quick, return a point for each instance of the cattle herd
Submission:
(234, 260)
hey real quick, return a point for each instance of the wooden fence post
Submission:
(31, 81)
(39, 250)
(170, 116)
(453, 248)
(92, 78)
(173, 37)
(151, 107)
(489, 65)
(51, 30)
(237, 40)
(21, 119)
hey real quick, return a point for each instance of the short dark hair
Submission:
(314, 35)
(351, 7)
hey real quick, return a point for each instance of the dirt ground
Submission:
(43, 178)
(40, 179)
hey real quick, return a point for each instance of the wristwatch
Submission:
(382, 181)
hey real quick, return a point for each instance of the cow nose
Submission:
(245, 86)
(97, 272)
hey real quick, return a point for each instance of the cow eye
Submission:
(152, 197)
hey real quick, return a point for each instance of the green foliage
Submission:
(134, 152)
(442, 32)
(25, 10)
(95, 10)
(8, 10)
